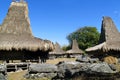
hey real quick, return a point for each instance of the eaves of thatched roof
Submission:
(15, 31)
(21, 42)
(57, 50)
(97, 47)
(75, 49)
(105, 47)
(109, 38)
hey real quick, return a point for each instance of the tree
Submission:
(85, 36)
(65, 47)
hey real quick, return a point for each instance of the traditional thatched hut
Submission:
(16, 39)
(57, 52)
(109, 40)
(75, 51)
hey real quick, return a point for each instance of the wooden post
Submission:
(39, 59)
(12, 61)
(15, 67)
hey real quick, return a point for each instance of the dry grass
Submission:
(19, 75)
(111, 60)
(55, 61)
(16, 75)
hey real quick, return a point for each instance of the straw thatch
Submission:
(75, 49)
(111, 60)
(109, 38)
(15, 31)
(17, 20)
(57, 50)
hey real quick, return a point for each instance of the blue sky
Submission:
(55, 19)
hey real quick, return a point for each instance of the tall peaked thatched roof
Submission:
(15, 31)
(109, 38)
(17, 19)
(75, 48)
(109, 31)
(57, 50)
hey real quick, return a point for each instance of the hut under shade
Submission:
(75, 51)
(57, 52)
(109, 43)
(16, 39)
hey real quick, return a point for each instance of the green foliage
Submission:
(86, 37)
(65, 47)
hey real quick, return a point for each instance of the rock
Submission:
(40, 75)
(68, 69)
(118, 60)
(82, 58)
(98, 68)
(113, 67)
(43, 68)
(94, 60)
(2, 77)
(3, 71)
(2, 67)
(87, 59)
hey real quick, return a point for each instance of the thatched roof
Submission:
(57, 50)
(17, 20)
(75, 48)
(109, 38)
(15, 31)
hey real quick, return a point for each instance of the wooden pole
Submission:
(39, 59)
